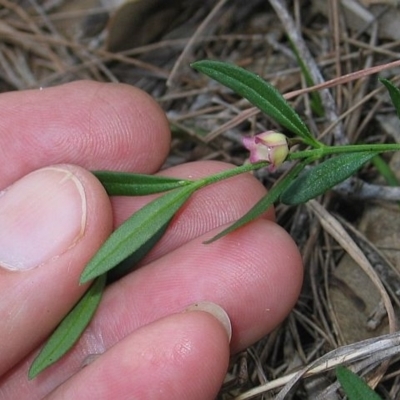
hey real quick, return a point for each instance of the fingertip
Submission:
(288, 267)
(95, 125)
(134, 114)
(274, 282)
(182, 356)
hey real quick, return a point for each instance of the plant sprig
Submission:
(134, 238)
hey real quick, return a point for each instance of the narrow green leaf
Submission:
(136, 231)
(127, 184)
(384, 169)
(317, 180)
(354, 387)
(70, 329)
(127, 265)
(394, 93)
(259, 93)
(262, 205)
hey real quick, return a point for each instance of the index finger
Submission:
(90, 124)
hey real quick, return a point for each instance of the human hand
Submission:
(55, 215)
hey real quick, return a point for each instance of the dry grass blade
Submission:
(199, 31)
(336, 230)
(376, 350)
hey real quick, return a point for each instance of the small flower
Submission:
(268, 146)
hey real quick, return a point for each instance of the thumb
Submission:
(52, 222)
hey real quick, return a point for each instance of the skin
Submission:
(150, 348)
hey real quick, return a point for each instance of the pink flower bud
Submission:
(268, 146)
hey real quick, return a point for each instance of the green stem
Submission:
(312, 154)
(352, 148)
(208, 180)
(309, 155)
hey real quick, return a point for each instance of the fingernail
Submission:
(215, 310)
(41, 216)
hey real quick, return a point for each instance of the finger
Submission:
(182, 356)
(91, 124)
(53, 221)
(255, 274)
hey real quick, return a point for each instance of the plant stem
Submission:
(312, 154)
(327, 150)
(208, 180)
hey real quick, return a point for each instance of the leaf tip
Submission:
(38, 365)
(89, 273)
(84, 278)
(194, 64)
(209, 241)
(32, 373)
